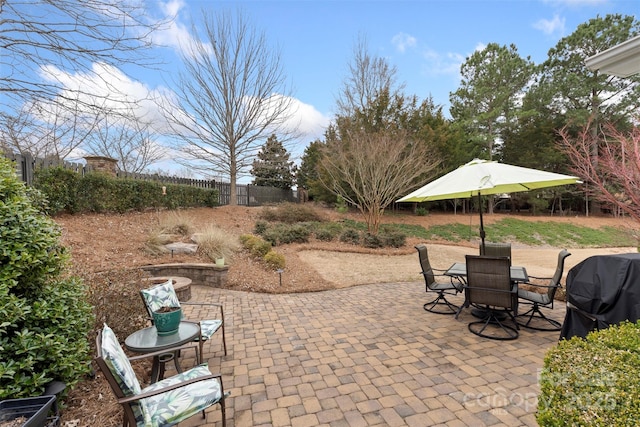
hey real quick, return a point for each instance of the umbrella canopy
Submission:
(484, 177)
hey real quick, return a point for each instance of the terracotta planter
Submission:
(167, 322)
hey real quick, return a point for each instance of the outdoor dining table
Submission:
(459, 270)
(147, 340)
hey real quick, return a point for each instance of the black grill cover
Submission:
(604, 290)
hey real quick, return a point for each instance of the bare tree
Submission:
(615, 174)
(367, 79)
(52, 37)
(128, 140)
(377, 149)
(47, 130)
(374, 169)
(230, 97)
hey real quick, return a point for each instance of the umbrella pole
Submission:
(482, 234)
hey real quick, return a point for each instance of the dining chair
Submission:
(534, 318)
(438, 282)
(164, 403)
(496, 249)
(489, 288)
(163, 294)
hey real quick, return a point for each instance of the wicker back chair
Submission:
(436, 281)
(538, 296)
(489, 287)
(496, 249)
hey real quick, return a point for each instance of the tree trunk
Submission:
(233, 191)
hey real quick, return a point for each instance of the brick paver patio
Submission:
(367, 356)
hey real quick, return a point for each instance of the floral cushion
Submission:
(170, 408)
(161, 295)
(209, 327)
(118, 363)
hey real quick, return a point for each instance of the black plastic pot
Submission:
(34, 409)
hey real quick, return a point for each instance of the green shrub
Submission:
(257, 246)
(290, 213)
(327, 231)
(371, 241)
(350, 236)
(60, 186)
(274, 260)
(341, 205)
(260, 248)
(260, 227)
(422, 211)
(593, 381)
(394, 239)
(45, 318)
(247, 240)
(281, 234)
(295, 233)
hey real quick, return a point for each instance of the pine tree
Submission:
(272, 167)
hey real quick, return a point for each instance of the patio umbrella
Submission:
(484, 177)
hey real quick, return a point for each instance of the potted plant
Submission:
(167, 320)
(220, 260)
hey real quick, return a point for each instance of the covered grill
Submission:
(602, 290)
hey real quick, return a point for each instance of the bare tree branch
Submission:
(373, 170)
(43, 40)
(47, 129)
(615, 174)
(130, 141)
(231, 97)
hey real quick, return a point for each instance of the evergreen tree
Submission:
(487, 102)
(308, 175)
(272, 167)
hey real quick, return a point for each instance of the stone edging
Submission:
(200, 273)
(182, 285)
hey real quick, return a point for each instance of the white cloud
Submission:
(553, 26)
(480, 47)
(109, 87)
(113, 89)
(442, 63)
(311, 123)
(176, 34)
(403, 41)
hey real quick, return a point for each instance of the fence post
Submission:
(27, 168)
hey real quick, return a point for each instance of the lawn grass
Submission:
(532, 233)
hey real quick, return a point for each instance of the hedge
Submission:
(593, 381)
(70, 192)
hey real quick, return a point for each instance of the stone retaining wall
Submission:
(200, 274)
(182, 285)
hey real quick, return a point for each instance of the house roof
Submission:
(622, 60)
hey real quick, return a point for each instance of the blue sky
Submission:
(426, 40)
